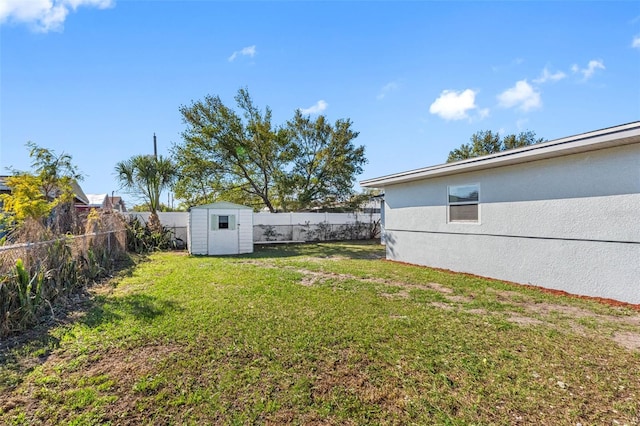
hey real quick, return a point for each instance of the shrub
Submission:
(141, 239)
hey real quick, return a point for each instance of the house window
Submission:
(464, 203)
(223, 222)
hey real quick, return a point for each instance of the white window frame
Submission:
(215, 222)
(463, 203)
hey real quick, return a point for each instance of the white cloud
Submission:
(319, 107)
(636, 42)
(387, 88)
(549, 76)
(591, 68)
(44, 15)
(249, 51)
(522, 96)
(452, 105)
(483, 113)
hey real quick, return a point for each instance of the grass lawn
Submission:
(323, 334)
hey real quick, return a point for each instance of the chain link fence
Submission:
(34, 276)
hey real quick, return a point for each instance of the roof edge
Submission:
(590, 141)
(221, 205)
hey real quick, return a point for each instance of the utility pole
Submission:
(155, 155)
(155, 146)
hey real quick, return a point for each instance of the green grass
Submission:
(323, 334)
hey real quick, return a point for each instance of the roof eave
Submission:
(600, 139)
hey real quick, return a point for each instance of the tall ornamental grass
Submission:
(36, 277)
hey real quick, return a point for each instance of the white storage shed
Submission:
(220, 228)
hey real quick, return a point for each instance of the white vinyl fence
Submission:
(176, 222)
(301, 227)
(273, 227)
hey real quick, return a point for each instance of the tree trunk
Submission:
(154, 224)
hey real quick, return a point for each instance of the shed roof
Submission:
(624, 134)
(221, 205)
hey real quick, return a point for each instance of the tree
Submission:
(325, 161)
(27, 199)
(242, 157)
(487, 142)
(56, 172)
(146, 176)
(200, 178)
(50, 186)
(237, 155)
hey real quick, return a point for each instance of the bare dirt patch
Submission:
(439, 288)
(442, 305)
(522, 320)
(628, 339)
(574, 315)
(459, 299)
(402, 294)
(552, 309)
(308, 280)
(125, 364)
(346, 375)
(507, 295)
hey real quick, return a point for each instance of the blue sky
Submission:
(96, 78)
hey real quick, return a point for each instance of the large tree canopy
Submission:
(243, 157)
(325, 161)
(225, 153)
(486, 142)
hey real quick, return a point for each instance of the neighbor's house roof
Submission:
(221, 205)
(624, 134)
(80, 196)
(117, 203)
(97, 200)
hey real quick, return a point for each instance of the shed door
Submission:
(223, 231)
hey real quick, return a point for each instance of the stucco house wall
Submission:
(569, 222)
